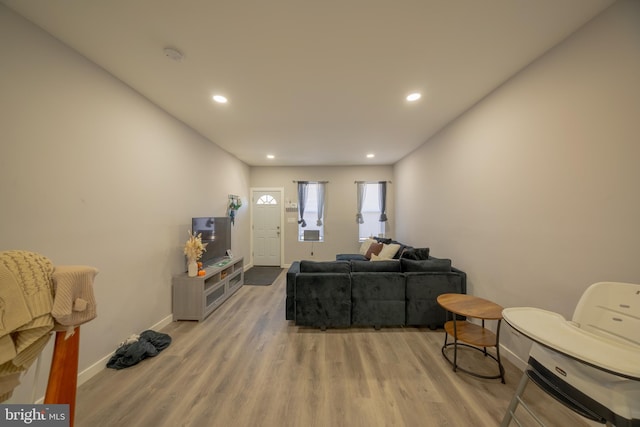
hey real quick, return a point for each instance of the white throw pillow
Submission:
(365, 246)
(389, 251)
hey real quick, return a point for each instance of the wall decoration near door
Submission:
(261, 276)
(234, 204)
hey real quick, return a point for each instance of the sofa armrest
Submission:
(423, 289)
(323, 299)
(463, 275)
(291, 290)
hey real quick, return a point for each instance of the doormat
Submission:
(261, 276)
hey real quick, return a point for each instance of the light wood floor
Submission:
(245, 365)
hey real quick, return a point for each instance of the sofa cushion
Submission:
(378, 299)
(415, 253)
(325, 267)
(389, 250)
(374, 248)
(403, 247)
(349, 257)
(375, 258)
(379, 286)
(365, 246)
(380, 266)
(409, 265)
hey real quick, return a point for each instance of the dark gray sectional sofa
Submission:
(357, 292)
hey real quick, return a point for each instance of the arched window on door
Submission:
(266, 199)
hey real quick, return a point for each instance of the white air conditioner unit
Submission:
(311, 235)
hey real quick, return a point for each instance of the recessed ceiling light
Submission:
(220, 99)
(270, 156)
(370, 156)
(414, 96)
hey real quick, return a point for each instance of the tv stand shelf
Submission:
(194, 298)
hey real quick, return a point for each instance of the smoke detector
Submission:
(173, 54)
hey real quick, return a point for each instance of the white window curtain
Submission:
(303, 187)
(382, 187)
(320, 188)
(361, 188)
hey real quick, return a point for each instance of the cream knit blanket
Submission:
(28, 308)
(74, 302)
(26, 300)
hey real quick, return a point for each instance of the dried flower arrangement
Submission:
(194, 248)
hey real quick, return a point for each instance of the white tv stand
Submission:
(194, 298)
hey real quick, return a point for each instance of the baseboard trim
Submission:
(101, 364)
(513, 358)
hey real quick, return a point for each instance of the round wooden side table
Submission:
(469, 334)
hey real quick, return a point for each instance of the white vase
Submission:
(192, 268)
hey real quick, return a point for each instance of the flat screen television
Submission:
(216, 234)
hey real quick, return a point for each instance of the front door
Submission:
(267, 212)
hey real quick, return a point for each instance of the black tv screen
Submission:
(216, 235)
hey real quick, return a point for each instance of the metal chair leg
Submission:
(517, 399)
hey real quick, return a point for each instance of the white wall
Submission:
(93, 173)
(534, 191)
(341, 229)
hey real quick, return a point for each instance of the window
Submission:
(310, 211)
(266, 199)
(369, 204)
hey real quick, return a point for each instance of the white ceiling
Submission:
(313, 82)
